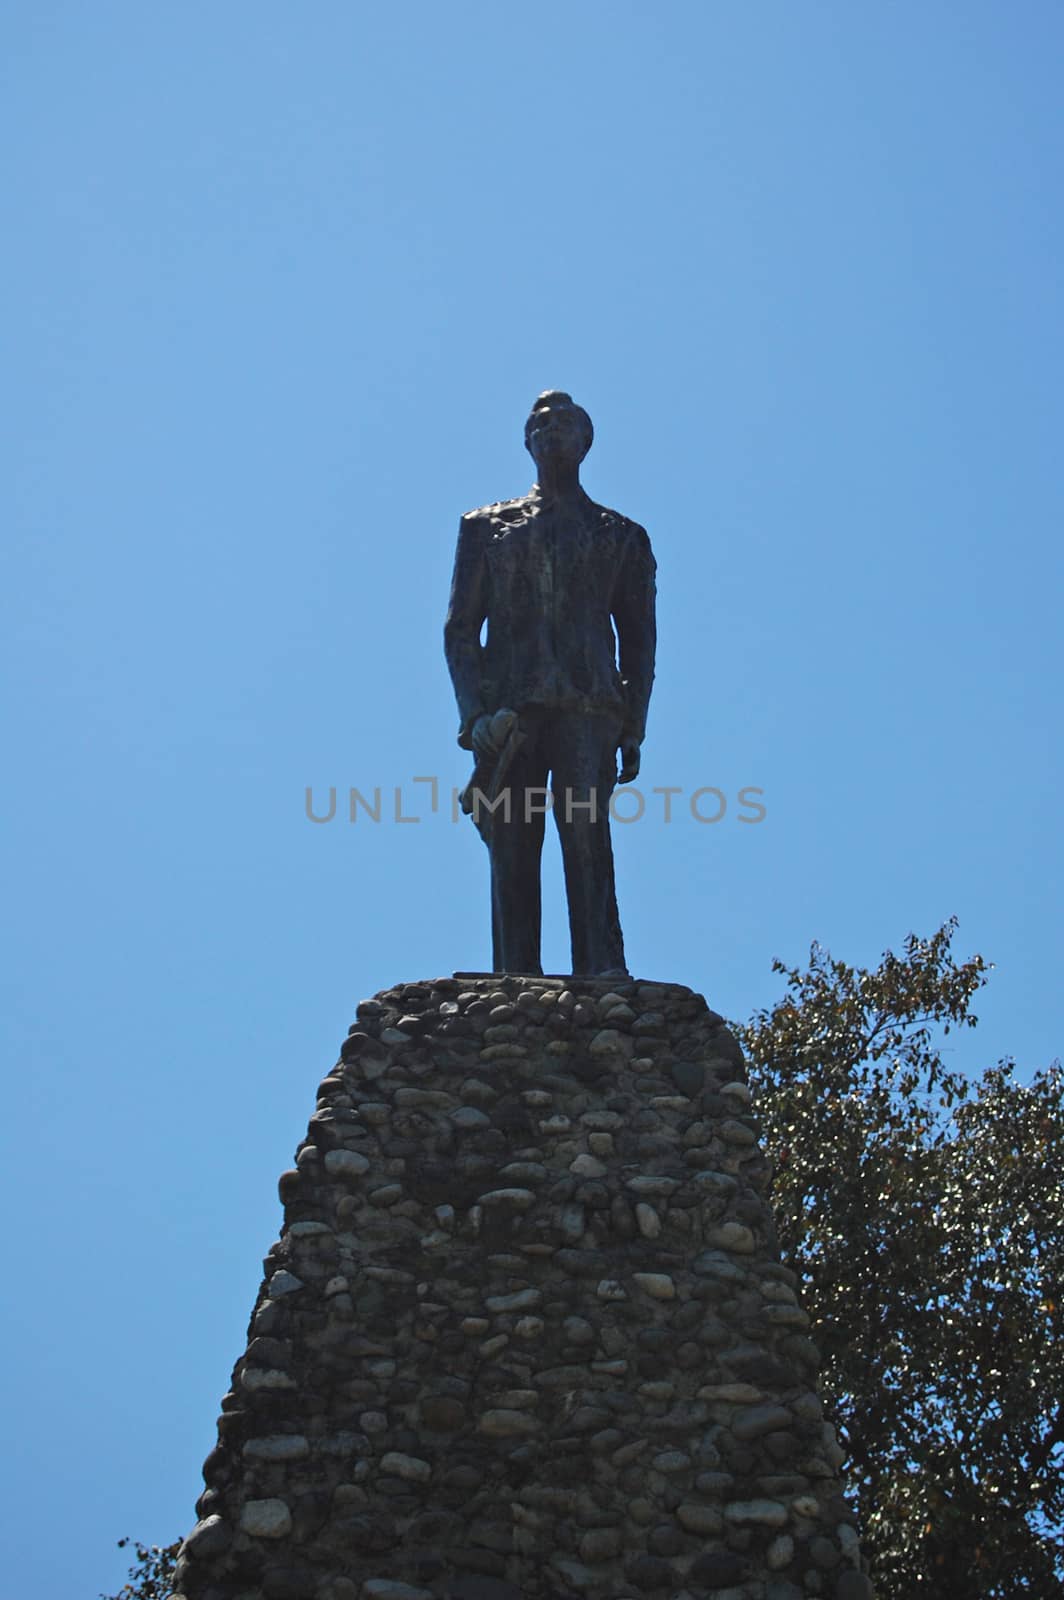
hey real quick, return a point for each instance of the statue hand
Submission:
(629, 760)
(489, 732)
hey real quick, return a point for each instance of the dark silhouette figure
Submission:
(560, 684)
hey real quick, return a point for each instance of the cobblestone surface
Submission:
(525, 1334)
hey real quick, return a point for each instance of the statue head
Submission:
(557, 429)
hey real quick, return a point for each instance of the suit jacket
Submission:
(552, 595)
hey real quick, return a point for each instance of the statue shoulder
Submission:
(624, 528)
(499, 512)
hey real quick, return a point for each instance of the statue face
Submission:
(557, 430)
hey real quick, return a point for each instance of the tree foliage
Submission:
(150, 1578)
(925, 1215)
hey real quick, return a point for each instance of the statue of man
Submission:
(560, 685)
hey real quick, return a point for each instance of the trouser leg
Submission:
(516, 846)
(582, 751)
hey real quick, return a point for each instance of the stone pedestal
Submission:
(526, 1333)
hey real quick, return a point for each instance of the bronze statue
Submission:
(561, 683)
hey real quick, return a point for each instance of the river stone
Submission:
(656, 1284)
(442, 1413)
(718, 1569)
(521, 1300)
(468, 1118)
(279, 1447)
(780, 1552)
(389, 1589)
(283, 1283)
(404, 1466)
(769, 1513)
(266, 1519)
(208, 1538)
(751, 1423)
(346, 1164)
(733, 1236)
(699, 1518)
(501, 1422)
(853, 1585)
(508, 1199)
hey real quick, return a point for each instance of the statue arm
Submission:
(461, 633)
(634, 617)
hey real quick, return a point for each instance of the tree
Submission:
(151, 1577)
(925, 1216)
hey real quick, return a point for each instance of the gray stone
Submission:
(599, 1544)
(737, 1237)
(501, 1422)
(524, 1172)
(733, 1393)
(609, 1042)
(520, 1300)
(849, 1544)
(738, 1091)
(823, 1553)
(468, 1117)
(208, 1538)
(715, 1183)
(766, 1513)
(266, 1519)
(717, 1569)
(698, 1518)
(785, 1316)
(581, 1263)
(283, 1283)
(403, 1466)
(256, 1378)
(760, 1419)
(648, 1572)
(391, 1589)
(688, 1076)
(656, 1284)
(610, 1289)
(574, 1572)
(666, 1539)
(651, 1186)
(780, 1552)
(277, 1447)
(441, 1413)
(508, 1199)
(346, 1164)
(712, 1264)
(853, 1585)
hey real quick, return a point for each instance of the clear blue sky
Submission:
(281, 283)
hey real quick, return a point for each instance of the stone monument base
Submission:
(526, 1334)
